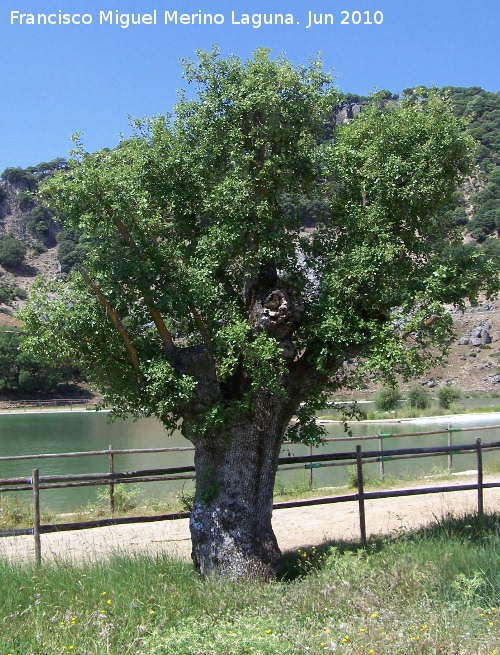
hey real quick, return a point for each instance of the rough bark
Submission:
(230, 523)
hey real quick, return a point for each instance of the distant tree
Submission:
(418, 397)
(21, 372)
(388, 398)
(449, 394)
(44, 168)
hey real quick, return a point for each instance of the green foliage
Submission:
(26, 200)
(191, 219)
(21, 372)
(491, 250)
(449, 394)
(19, 176)
(45, 168)
(481, 227)
(29, 177)
(186, 499)
(482, 109)
(72, 249)
(125, 498)
(39, 219)
(309, 212)
(9, 292)
(486, 219)
(38, 247)
(12, 251)
(17, 511)
(388, 399)
(418, 397)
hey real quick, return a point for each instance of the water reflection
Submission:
(26, 434)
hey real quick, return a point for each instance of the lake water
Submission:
(36, 433)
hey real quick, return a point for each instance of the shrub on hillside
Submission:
(12, 251)
(25, 200)
(72, 249)
(387, 399)
(9, 292)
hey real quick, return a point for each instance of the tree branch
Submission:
(202, 329)
(134, 357)
(165, 335)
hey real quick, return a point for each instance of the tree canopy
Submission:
(203, 299)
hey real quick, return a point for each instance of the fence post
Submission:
(310, 470)
(479, 453)
(361, 495)
(36, 516)
(111, 461)
(381, 448)
(450, 443)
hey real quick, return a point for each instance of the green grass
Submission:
(432, 591)
(17, 512)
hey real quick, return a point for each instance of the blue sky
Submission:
(60, 79)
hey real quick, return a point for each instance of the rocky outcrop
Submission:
(477, 337)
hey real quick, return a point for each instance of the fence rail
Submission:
(358, 458)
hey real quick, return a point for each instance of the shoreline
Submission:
(423, 419)
(420, 419)
(49, 410)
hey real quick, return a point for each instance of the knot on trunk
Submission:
(278, 312)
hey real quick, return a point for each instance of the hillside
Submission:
(471, 364)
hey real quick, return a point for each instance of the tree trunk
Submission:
(235, 472)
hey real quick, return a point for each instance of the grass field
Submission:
(433, 591)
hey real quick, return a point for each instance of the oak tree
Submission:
(204, 302)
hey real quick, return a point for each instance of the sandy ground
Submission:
(294, 528)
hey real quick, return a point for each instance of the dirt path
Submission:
(294, 528)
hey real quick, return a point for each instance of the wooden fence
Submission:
(37, 482)
(24, 405)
